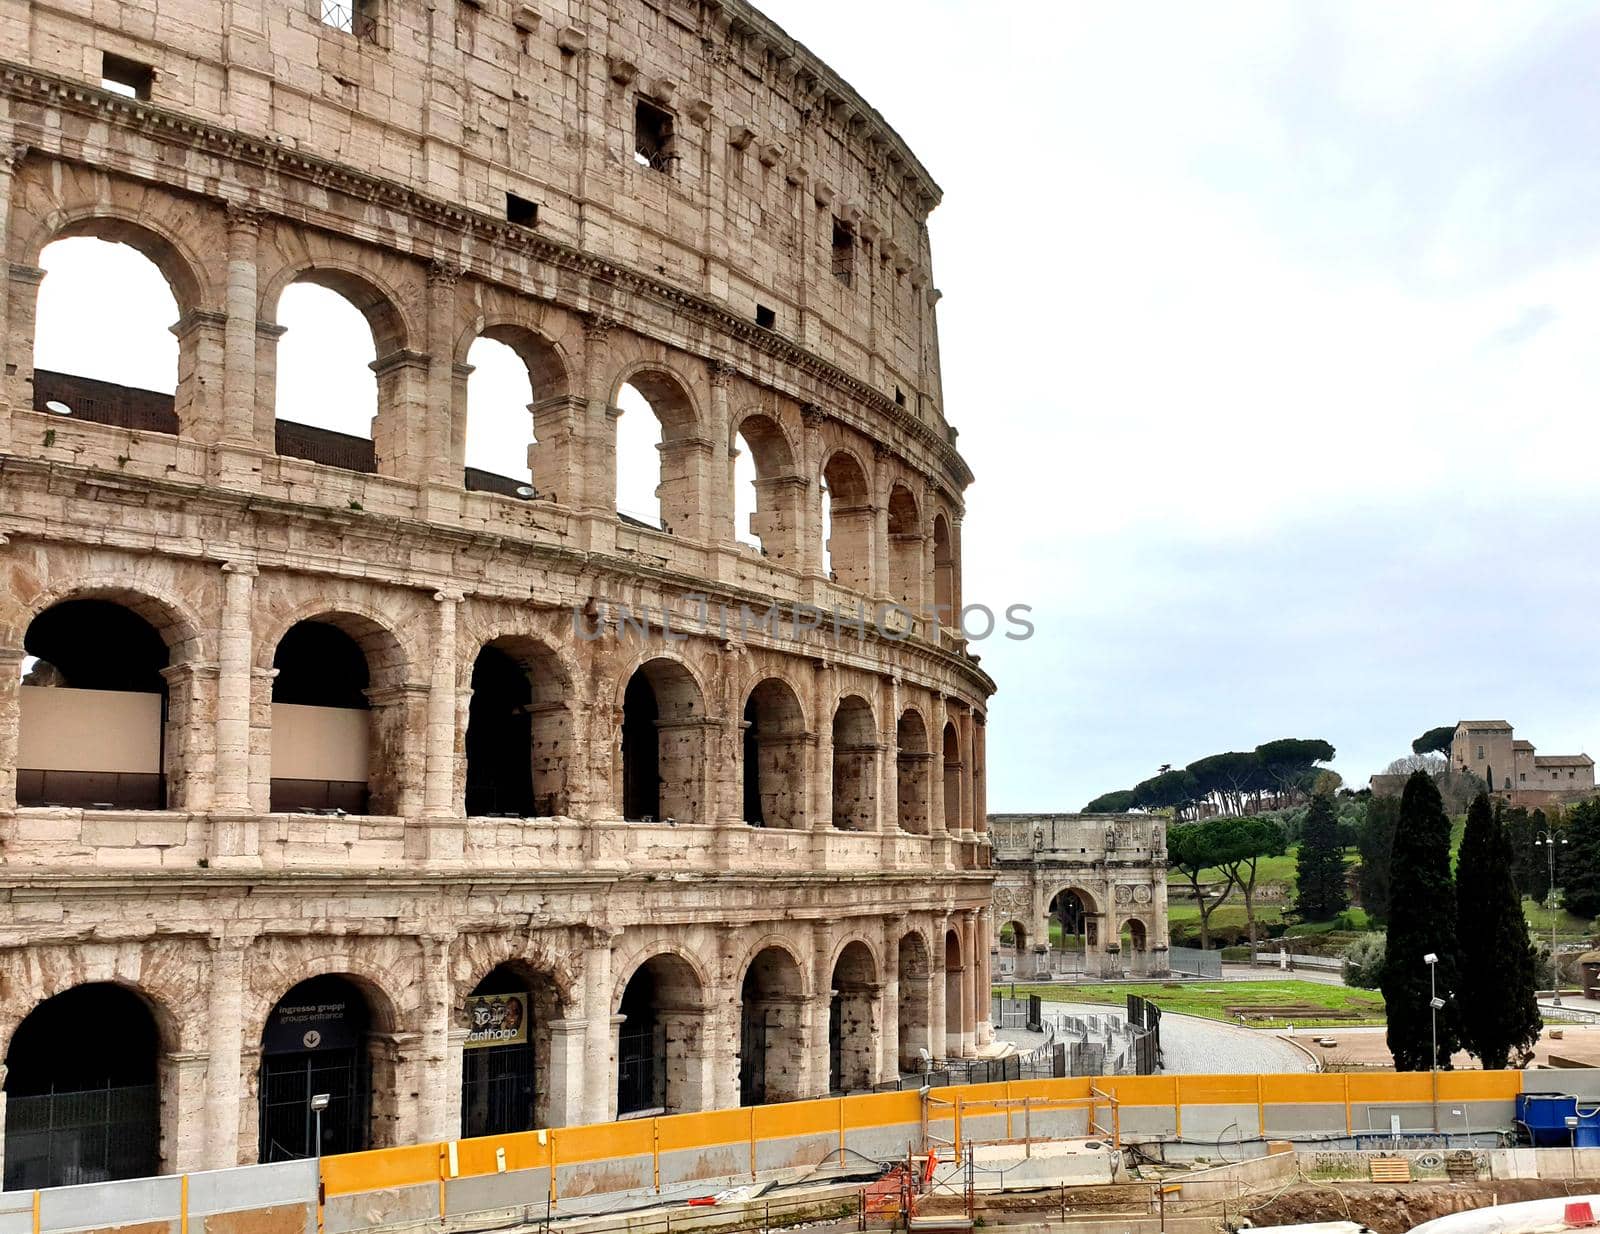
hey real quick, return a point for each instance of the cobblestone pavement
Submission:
(1194, 1046)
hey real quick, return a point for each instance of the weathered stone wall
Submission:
(276, 149)
(1116, 865)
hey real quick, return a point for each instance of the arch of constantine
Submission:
(334, 761)
(1080, 893)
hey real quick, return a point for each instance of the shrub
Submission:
(1363, 961)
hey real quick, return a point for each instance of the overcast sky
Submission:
(1272, 332)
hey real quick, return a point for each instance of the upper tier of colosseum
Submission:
(691, 146)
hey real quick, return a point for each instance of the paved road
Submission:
(1194, 1046)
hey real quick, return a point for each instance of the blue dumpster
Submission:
(1544, 1117)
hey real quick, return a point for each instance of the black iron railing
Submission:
(103, 402)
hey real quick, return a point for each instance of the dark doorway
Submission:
(641, 1061)
(499, 737)
(771, 1008)
(316, 1041)
(82, 1101)
(752, 765)
(641, 765)
(498, 1077)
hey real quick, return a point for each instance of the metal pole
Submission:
(1550, 898)
(318, 1113)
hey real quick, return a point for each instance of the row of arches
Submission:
(339, 362)
(89, 1087)
(101, 725)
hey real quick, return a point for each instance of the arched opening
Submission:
(952, 778)
(327, 384)
(662, 744)
(82, 1090)
(519, 732)
(660, 1044)
(847, 523)
(94, 709)
(913, 761)
(905, 548)
(944, 572)
(506, 1054)
(104, 348)
(1073, 926)
(332, 745)
(771, 1018)
(852, 1031)
(855, 765)
(659, 464)
(498, 451)
(768, 495)
(916, 972)
(774, 757)
(954, 974)
(317, 1041)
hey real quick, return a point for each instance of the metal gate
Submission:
(497, 1090)
(90, 1136)
(289, 1081)
(636, 1067)
(753, 1058)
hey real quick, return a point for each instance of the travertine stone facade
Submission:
(373, 153)
(1103, 876)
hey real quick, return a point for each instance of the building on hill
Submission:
(1508, 764)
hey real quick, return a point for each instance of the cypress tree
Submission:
(1578, 862)
(1422, 920)
(1319, 865)
(1495, 994)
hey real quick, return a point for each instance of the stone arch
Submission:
(663, 998)
(952, 769)
(173, 617)
(111, 734)
(82, 1101)
(905, 546)
(549, 388)
(914, 764)
(519, 731)
(145, 232)
(661, 738)
(506, 1082)
(778, 510)
(772, 1019)
(681, 467)
(369, 292)
(1080, 915)
(914, 967)
(853, 1013)
(320, 741)
(775, 735)
(848, 510)
(855, 764)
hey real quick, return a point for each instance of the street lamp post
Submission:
(1548, 840)
(1434, 1003)
(319, 1103)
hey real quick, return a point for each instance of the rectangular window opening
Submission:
(844, 253)
(126, 77)
(652, 137)
(521, 211)
(357, 17)
(766, 318)
(899, 397)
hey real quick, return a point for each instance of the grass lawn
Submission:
(1211, 1000)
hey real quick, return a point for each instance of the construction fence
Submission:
(480, 1183)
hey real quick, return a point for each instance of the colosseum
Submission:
(338, 763)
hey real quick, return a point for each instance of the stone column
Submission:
(440, 469)
(817, 1071)
(881, 484)
(889, 789)
(597, 491)
(22, 290)
(724, 1045)
(565, 1101)
(937, 827)
(938, 1042)
(239, 330)
(438, 1106)
(184, 1076)
(234, 651)
(438, 788)
(10, 158)
(10, 721)
(889, 1037)
(810, 562)
(225, 1050)
(982, 982)
(599, 1082)
(822, 718)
